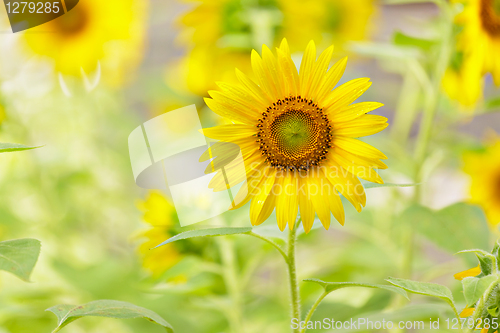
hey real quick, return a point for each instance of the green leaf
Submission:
(405, 40)
(332, 286)
(104, 308)
(9, 147)
(211, 232)
(425, 288)
(19, 256)
(452, 228)
(375, 185)
(475, 287)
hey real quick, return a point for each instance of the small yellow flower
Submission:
(110, 32)
(468, 273)
(484, 170)
(160, 214)
(298, 136)
(478, 50)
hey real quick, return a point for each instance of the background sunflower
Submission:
(110, 33)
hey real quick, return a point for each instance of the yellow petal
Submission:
(289, 72)
(306, 206)
(284, 47)
(345, 94)
(346, 184)
(243, 96)
(319, 189)
(355, 131)
(468, 273)
(267, 209)
(262, 77)
(320, 69)
(230, 132)
(231, 111)
(247, 192)
(286, 200)
(306, 68)
(353, 111)
(293, 204)
(281, 200)
(330, 80)
(253, 88)
(271, 68)
(360, 171)
(259, 199)
(336, 206)
(359, 160)
(357, 147)
(467, 312)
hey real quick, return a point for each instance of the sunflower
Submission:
(329, 21)
(478, 50)
(484, 170)
(462, 80)
(95, 31)
(298, 137)
(160, 214)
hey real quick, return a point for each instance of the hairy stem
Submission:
(292, 273)
(313, 308)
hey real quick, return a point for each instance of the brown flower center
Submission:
(489, 11)
(73, 22)
(294, 134)
(496, 188)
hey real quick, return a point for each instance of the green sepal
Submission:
(493, 310)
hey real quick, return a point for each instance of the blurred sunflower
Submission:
(160, 214)
(110, 32)
(220, 34)
(462, 80)
(484, 170)
(297, 137)
(478, 50)
(326, 21)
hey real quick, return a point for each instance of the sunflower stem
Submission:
(313, 308)
(292, 273)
